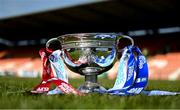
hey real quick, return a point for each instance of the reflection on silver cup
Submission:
(90, 54)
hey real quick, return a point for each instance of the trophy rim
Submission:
(89, 40)
(116, 39)
(93, 33)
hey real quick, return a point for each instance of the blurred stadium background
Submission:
(26, 25)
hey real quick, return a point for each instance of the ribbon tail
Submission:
(158, 93)
(43, 87)
(55, 91)
(65, 88)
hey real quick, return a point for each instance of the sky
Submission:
(12, 8)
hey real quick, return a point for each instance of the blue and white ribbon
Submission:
(131, 82)
(125, 76)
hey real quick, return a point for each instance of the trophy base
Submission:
(91, 85)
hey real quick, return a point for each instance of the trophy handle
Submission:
(124, 36)
(53, 44)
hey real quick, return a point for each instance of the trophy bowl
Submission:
(90, 54)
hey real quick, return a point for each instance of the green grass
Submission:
(8, 99)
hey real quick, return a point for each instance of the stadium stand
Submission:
(161, 66)
(23, 62)
(165, 66)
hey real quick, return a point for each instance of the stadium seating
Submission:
(161, 66)
(165, 66)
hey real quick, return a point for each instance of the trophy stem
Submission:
(91, 78)
(91, 85)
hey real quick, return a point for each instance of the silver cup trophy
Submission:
(90, 54)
